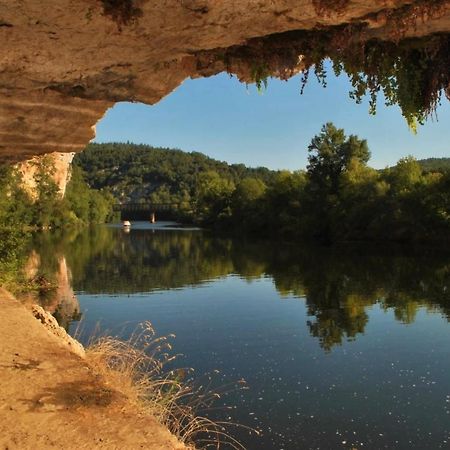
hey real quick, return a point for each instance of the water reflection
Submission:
(59, 300)
(339, 285)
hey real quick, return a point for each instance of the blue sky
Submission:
(226, 120)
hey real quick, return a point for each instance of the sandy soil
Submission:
(50, 398)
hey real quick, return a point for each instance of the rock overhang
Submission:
(65, 63)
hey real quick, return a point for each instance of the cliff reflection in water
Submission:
(337, 284)
(59, 300)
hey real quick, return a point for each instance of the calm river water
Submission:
(346, 347)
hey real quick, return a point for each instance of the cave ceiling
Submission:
(64, 63)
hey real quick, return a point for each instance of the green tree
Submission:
(405, 175)
(86, 205)
(213, 196)
(334, 159)
(48, 196)
(78, 195)
(331, 153)
(15, 203)
(285, 203)
(248, 203)
(248, 191)
(15, 214)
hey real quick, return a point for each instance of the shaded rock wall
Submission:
(63, 64)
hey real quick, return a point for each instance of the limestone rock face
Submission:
(61, 174)
(64, 63)
(52, 327)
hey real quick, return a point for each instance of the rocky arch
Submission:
(64, 63)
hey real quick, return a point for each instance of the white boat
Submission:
(126, 224)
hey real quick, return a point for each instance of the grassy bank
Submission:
(138, 369)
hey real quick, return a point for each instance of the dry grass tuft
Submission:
(137, 368)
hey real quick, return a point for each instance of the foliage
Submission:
(331, 154)
(48, 203)
(86, 204)
(213, 196)
(248, 191)
(332, 158)
(141, 173)
(14, 210)
(14, 203)
(260, 75)
(435, 164)
(20, 212)
(412, 73)
(339, 198)
(12, 254)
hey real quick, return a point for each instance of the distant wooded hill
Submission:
(435, 164)
(338, 198)
(135, 172)
(161, 175)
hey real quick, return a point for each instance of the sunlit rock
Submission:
(65, 63)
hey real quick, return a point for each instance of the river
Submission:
(344, 347)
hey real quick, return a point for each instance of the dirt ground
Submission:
(50, 398)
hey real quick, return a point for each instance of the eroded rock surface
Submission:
(51, 324)
(64, 63)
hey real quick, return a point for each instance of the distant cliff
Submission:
(60, 175)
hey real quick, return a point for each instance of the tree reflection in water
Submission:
(338, 284)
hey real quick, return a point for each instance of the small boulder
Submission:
(51, 324)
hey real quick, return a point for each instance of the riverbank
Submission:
(51, 397)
